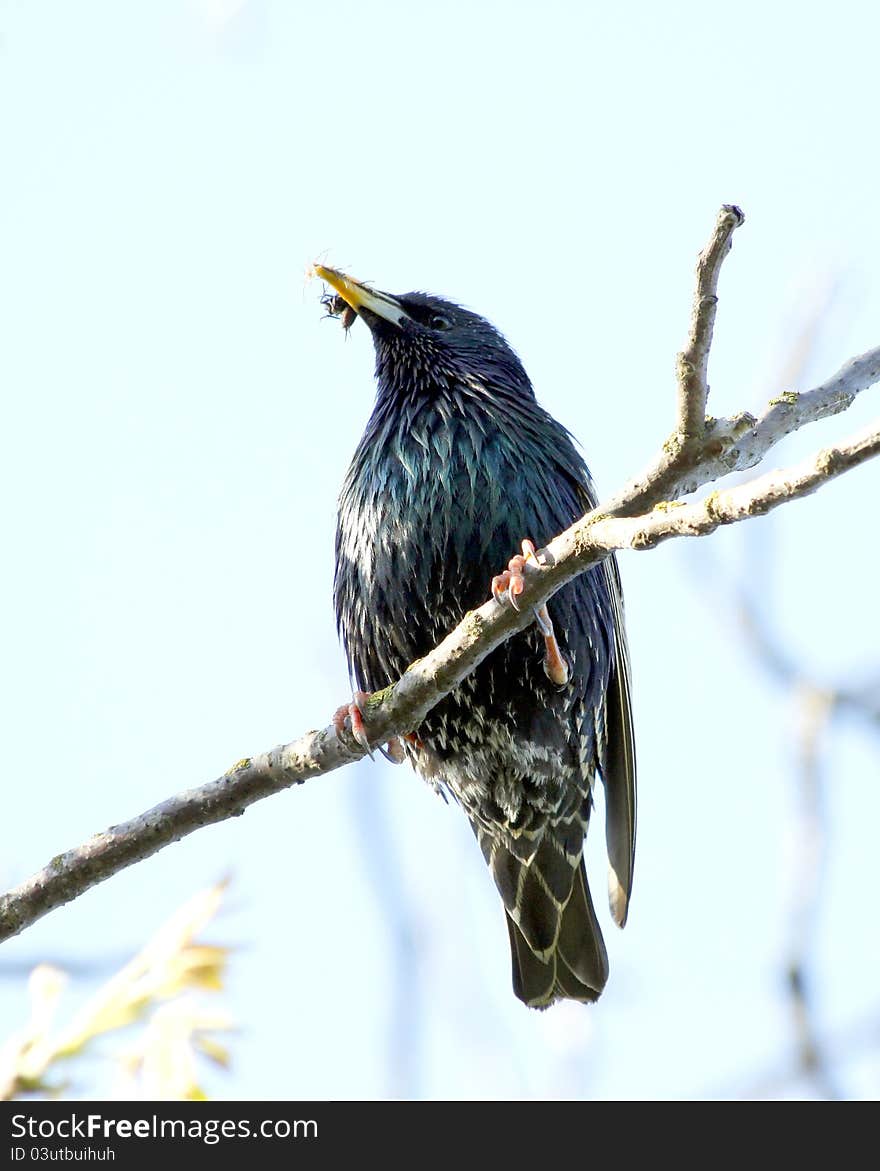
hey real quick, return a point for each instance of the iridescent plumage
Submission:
(457, 465)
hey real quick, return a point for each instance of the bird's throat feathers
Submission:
(421, 373)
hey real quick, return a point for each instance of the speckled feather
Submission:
(457, 465)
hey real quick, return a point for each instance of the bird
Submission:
(458, 467)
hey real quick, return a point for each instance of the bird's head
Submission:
(424, 343)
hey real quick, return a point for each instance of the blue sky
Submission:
(178, 420)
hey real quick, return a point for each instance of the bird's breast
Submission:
(427, 515)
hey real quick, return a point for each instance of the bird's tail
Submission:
(576, 968)
(556, 946)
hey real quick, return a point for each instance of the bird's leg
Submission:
(555, 663)
(354, 713)
(510, 584)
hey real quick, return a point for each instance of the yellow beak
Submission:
(360, 297)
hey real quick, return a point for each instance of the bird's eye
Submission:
(439, 322)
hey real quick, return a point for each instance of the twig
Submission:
(753, 498)
(688, 463)
(684, 449)
(693, 361)
(740, 442)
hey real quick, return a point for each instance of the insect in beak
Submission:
(337, 306)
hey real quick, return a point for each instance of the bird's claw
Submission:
(507, 586)
(353, 714)
(393, 751)
(510, 583)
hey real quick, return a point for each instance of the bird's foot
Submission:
(394, 750)
(353, 714)
(511, 582)
(508, 585)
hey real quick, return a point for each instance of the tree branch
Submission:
(693, 362)
(699, 451)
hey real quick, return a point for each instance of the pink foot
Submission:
(508, 585)
(511, 580)
(353, 714)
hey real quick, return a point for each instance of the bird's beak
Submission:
(360, 298)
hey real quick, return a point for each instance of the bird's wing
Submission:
(616, 742)
(618, 762)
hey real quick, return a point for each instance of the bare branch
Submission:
(754, 498)
(738, 443)
(693, 362)
(694, 456)
(684, 449)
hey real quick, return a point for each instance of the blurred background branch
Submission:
(154, 1008)
(816, 710)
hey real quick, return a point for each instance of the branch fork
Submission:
(648, 510)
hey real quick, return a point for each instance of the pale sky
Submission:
(178, 420)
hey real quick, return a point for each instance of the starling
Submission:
(459, 467)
